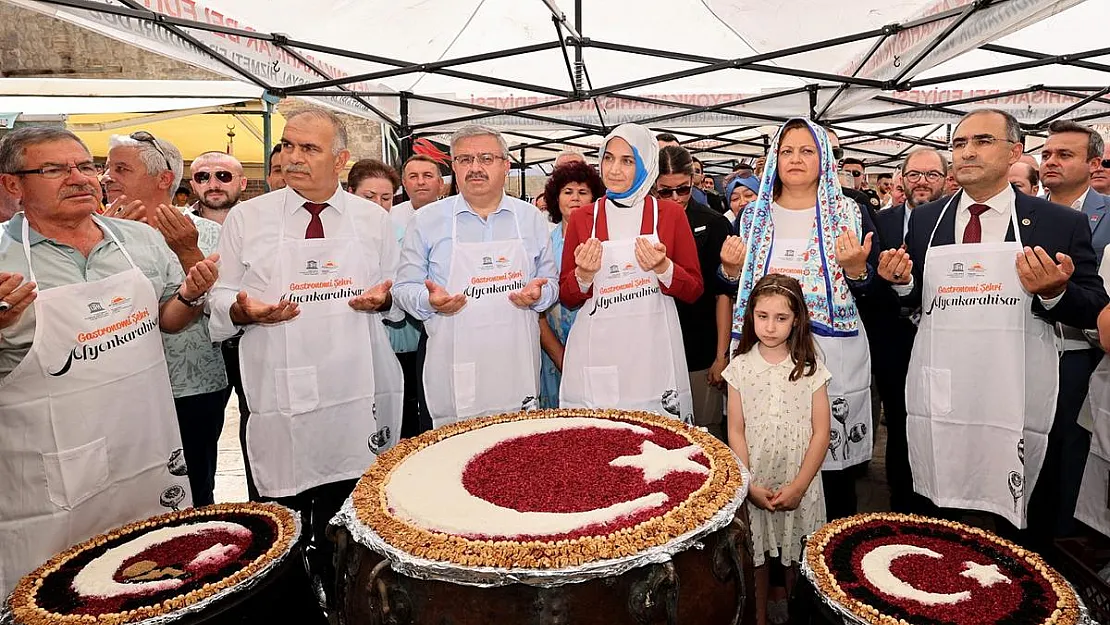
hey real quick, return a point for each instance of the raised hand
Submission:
(529, 295)
(851, 254)
(200, 278)
(15, 297)
(651, 257)
(373, 299)
(587, 260)
(179, 231)
(443, 301)
(732, 255)
(123, 208)
(250, 310)
(896, 266)
(1040, 275)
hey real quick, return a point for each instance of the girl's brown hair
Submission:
(803, 349)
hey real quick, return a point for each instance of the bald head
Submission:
(1024, 176)
(217, 180)
(221, 159)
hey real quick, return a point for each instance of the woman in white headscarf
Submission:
(625, 258)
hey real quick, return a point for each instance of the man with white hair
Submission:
(476, 268)
(142, 174)
(305, 274)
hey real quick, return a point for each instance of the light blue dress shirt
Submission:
(427, 248)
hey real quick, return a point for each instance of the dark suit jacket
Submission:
(880, 308)
(1095, 207)
(1053, 227)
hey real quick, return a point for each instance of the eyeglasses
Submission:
(146, 137)
(980, 141)
(838, 153)
(202, 177)
(915, 176)
(675, 192)
(53, 172)
(485, 159)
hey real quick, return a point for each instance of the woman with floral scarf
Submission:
(803, 226)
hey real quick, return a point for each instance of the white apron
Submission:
(982, 383)
(88, 434)
(848, 360)
(625, 347)
(484, 359)
(325, 388)
(1093, 507)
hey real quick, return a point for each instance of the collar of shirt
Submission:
(464, 206)
(15, 230)
(295, 203)
(1002, 203)
(1081, 200)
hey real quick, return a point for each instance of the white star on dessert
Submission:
(986, 574)
(657, 462)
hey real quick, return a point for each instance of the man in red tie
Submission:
(1002, 268)
(308, 271)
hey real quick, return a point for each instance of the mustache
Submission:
(477, 177)
(75, 190)
(296, 169)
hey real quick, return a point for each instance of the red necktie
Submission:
(315, 228)
(973, 233)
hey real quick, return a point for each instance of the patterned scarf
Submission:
(832, 309)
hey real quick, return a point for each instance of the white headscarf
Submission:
(645, 148)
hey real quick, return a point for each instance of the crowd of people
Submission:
(767, 309)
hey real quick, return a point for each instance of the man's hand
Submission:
(587, 260)
(851, 254)
(15, 297)
(247, 310)
(442, 301)
(373, 299)
(651, 257)
(732, 255)
(529, 295)
(200, 278)
(895, 266)
(179, 231)
(1040, 275)
(123, 208)
(713, 377)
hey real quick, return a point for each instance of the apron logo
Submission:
(840, 409)
(626, 292)
(95, 307)
(137, 325)
(176, 465)
(378, 440)
(529, 403)
(980, 294)
(489, 263)
(172, 497)
(1017, 487)
(315, 267)
(671, 403)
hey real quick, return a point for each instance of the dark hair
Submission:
(885, 176)
(1095, 144)
(666, 136)
(853, 161)
(803, 349)
(422, 158)
(1013, 127)
(574, 171)
(277, 150)
(675, 159)
(915, 152)
(372, 168)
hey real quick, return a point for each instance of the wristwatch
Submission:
(192, 303)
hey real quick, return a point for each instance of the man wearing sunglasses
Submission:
(217, 180)
(1100, 177)
(142, 175)
(88, 435)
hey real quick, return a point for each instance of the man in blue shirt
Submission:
(477, 268)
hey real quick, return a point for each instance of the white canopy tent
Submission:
(720, 74)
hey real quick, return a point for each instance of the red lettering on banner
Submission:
(188, 9)
(232, 24)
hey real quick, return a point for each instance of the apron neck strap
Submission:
(654, 216)
(26, 233)
(956, 235)
(338, 197)
(455, 219)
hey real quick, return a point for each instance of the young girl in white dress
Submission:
(778, 423)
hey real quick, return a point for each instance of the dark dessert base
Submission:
(699, 586)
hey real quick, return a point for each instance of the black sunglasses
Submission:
(146, 137)
(838, 153)
(677, 191)
(202, 177)
(1106, 163)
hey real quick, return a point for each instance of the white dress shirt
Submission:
(250, 239)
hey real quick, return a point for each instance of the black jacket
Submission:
(1051, 226)
(699, 320)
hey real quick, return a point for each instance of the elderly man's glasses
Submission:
(146, 137)
(202, 177)
(916, 176)
(485, 160)
(53, 172)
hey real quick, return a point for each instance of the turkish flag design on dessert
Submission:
(547, 479)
